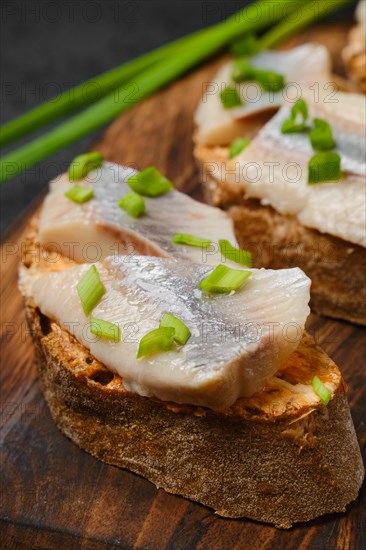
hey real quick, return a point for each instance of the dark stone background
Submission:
(48, 46)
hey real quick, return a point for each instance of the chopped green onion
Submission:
(182, 332)
(133, 204)
(224, 279)
(230, 98)
(235, 254)
(290, 126)
(90, 289)
(321, 136)
(105, 329)
(245, 45)
(324, 167)
(242, 71)
(79, 194)
(155, 341)
(293, 125)
(83, 164)
(269, 80)
(321, 390)
(300, 108)
(190, 240)
(150, 182)
(237, 146)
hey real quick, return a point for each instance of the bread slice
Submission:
(336, 267)
(279, 457)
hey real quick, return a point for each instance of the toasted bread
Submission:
(280, 456)
(335, 266)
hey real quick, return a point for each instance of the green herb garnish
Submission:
(190, 240)
(245, 45)
(83, 164)
(321, 390)
(182, 332)
(156, 341)
(230, 98)
(324, 167)
(90, 289)
(235, 254)
(237, 146)
(105, 329)
(133, 204)
(298, 119)
(150, 182)
(79, 194)
(245, 72)
(321, 136)
(223, 279)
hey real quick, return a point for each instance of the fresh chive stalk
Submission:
(79, 194)
(237, 255)
(182, 332)
(324, 167)
(150, 182)
(190, 240)
(83, 164)
(90, 290)
(169, 68)
(224, 279)
(156, 341)
(105, 329)
(321, 390)
(133, 204)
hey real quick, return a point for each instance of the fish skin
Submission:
(100, 228)
(238, 341)
(302, 66)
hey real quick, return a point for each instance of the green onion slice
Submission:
(182, 332)
(79, 194)
(230, 98)
(324, 167)
(269, 80)
(83, 164)
(224, 279)
(321, 136)
(321, 390)
(156, 341)
(235, 254)
(237, 146)
(297, 121)
(90, 289)
(105, 329)
(150, 183)
(245, 45)
(190, 240)
(133, 204)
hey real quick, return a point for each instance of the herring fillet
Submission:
(302, 67)
(238, 340)
(99, 228)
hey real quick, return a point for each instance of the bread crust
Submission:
(336, 267)
(277, 464)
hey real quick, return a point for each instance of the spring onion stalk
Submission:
(324, 167)
(235, 254)
(133, 204)
(90, 289)
(150, 183)
(83, 164)
(321, 390)
(223, 279)
(190, 240)
(105, 329)
(79, 194)
(321, 136)
(156, 341)
(182, 332)
(170, 68)
(237, 146)
(309, 14)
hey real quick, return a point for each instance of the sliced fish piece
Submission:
(99, 228)
(238, 341)
(303, 66)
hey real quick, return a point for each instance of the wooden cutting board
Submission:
(55, 496)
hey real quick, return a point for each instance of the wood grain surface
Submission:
(55, 496)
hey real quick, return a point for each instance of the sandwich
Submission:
(295, 185)
(163, 351)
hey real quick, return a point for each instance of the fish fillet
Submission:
(238, 341)
(302, 67)
(98, 228)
